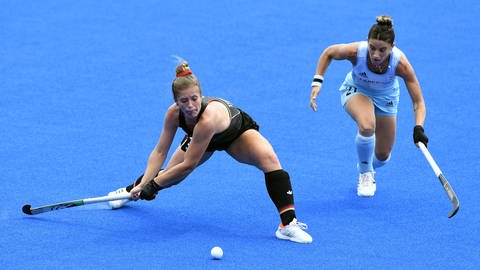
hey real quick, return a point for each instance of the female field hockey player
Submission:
(213, 124)
(370, 95)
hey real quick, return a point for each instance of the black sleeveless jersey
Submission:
(239, 122)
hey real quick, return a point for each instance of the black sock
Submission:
(280, 190)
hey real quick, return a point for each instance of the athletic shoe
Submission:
(294, 232)
(366, 185)
(118, 203)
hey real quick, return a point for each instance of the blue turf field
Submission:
(84, 85)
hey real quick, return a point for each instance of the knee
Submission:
(270, 162)
(366, 128)
(272, 159)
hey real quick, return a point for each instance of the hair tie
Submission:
(184, 73)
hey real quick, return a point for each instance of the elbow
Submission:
(420, 109)
(326, 55)
(329, 52)
(188, 168)
(419, 105)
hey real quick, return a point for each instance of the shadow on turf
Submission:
(131, 219)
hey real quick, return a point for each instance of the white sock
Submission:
(365, 147)
(379, 163)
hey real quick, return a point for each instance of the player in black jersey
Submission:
(213, 124)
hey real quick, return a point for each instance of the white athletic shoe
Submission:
(294, 232)
(118, 203)
(366, 185)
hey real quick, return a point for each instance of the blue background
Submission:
(84, 86)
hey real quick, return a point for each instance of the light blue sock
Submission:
(365, 147)
(379, 163)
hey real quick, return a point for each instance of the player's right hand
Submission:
(313, 104)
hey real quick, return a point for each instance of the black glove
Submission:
(419, 135)
(149, 191)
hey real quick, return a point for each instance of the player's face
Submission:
(378, 50)
(190, 101)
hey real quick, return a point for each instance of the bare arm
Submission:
(334, 52)
(214, 120)
(159, 153)
(405, 71)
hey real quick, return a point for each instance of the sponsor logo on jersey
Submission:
(363, 74)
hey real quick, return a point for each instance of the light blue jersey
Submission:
(383, 89)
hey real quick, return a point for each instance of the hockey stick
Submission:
(451, 195)
(27, 209)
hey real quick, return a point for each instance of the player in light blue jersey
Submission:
(370, 95)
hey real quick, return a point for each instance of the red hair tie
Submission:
(184, 73)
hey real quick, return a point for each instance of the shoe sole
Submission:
(280, 236)
(365, 195)
(360, 194)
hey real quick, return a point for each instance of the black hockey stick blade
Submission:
(451, 195)
(27, 209)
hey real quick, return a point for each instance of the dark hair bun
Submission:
(384, 20)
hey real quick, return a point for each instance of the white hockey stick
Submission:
(27, 209)
(451, 194)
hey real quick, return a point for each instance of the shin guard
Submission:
(280, 190)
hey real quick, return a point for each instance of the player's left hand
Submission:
(149, 191)
(419, 135)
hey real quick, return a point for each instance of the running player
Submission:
(370, 95)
